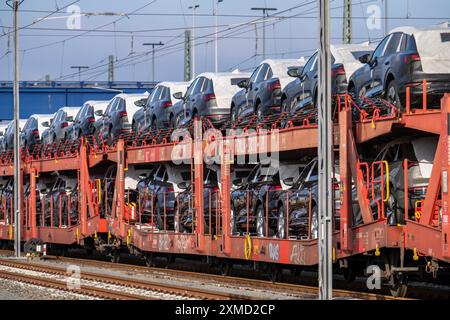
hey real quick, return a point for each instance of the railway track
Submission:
(161, 290)
(309, 292)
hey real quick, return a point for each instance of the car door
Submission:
(151, 106)
(308, 80)
(106, 118)
(78, 124)
(195, 99)
(372, 70)
(255, 88)
(56, 125)
(242, 103)
(384, 63)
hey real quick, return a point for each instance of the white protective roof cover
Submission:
(71, 111)
(344, 53)
(130, 99)
(132, 178)
(174, 87)
(224, 85)
(425, 149)
(3, 126)
(433, 51)
(97, 105)
(280, 68)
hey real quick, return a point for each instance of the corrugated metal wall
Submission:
(48, 99)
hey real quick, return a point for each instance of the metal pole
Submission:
(385, 17)
(17, 195)
(264, 34)
(194, 7)
(153, 44)
(216, 58)
(264, 10)
(325, 156)
(153, 64)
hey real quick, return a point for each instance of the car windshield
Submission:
(310, 170)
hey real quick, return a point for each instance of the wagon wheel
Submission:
(274, 273)
(115, 256)
(399, 286)
(149, 260)
(224, 267)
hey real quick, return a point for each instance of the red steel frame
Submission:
(420, 236)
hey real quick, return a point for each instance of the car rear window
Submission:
(445, 37)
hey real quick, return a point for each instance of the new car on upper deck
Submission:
(210, 95)
(344, 61)
(261, 94)
(158, 110)
(31, 134)
(84, 122)
(57, 127)
(115, 120)
(406, 57)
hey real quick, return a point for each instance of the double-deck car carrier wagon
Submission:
(380, 217)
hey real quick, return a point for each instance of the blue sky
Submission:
(288, 38)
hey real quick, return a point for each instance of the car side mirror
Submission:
(68, 190)
(295, 72)
(184, 185)
(141, 102)
(178, 95)
(364, 58)
(98, 113)
(238, 182)
(289, 181)
(243, 84)
(46, 124)
(69, 119)
(142, 176)
(44, 191)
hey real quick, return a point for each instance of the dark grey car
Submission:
(404, 58)
(8, 138)
(84, 122)
(157, 112)
(261, 94)
(57, 128)
(210, 95)
(32, 131)
(115, 120)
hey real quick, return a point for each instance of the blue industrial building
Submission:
(48, 97)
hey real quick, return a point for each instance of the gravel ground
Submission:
(96, 284)
(162, 277)
(13, 290)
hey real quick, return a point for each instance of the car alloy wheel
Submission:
(176, 221)
(314, 228)
(281, 226)
(392, 95)
(232, 222)
(260, 222)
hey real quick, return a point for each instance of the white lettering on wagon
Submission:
(274, 251)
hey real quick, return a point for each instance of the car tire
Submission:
(391, 94)
(259, 112)
(314, 227)
(281, 222)
(260, 221)
(284, 107)
(157, 216)
(110, 137)
(233, 115)
(232, 222)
